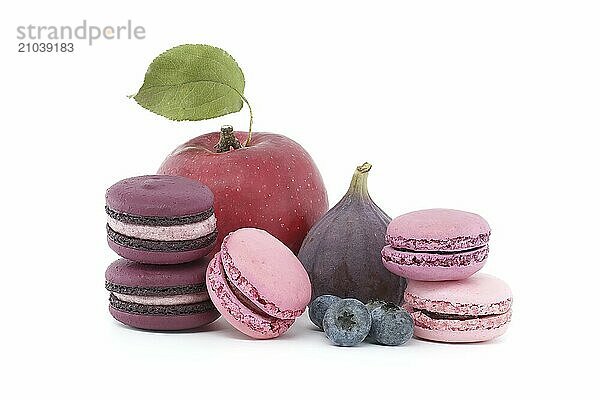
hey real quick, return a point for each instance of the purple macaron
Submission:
(159, 297)
(436, 245)
(160, 219)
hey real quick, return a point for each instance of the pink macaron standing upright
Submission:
(160, 219)
(475, 309)
(436, 245)
(257, 283)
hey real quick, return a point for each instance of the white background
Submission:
(490, 107)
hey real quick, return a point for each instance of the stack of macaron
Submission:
(162, 226)
(439, 252)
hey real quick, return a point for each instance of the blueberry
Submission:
(347, 322)
(316, 309)
(391, 325)
(373, 304)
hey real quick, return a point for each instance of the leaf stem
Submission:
(247, 142)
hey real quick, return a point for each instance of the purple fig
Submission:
(342, 251)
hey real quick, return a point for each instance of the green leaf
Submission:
(192, 82)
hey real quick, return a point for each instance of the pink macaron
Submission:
(436, 245)
(257, 283)
(475, 309)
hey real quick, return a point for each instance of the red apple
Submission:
(272, 183)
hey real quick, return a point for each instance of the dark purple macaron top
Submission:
(129, 273)
(159, 196)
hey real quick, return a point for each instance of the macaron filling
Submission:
(435, 258)
(446, 307)
(459, 317)
(170, 300)
(453, 322)
(440, 252)
(165, 233)
(443, 315)
(164, 300)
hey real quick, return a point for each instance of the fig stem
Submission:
(227, 140)
(358, 185)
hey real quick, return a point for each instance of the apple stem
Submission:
(227, 141)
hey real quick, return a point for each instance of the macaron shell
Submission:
(159, 196)
(267, 272)
(438, 229)
(433, 267)
(130, 273)
(480, 289)
(159, 257)
(164, 322)
(460, 336)
(245, 320)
